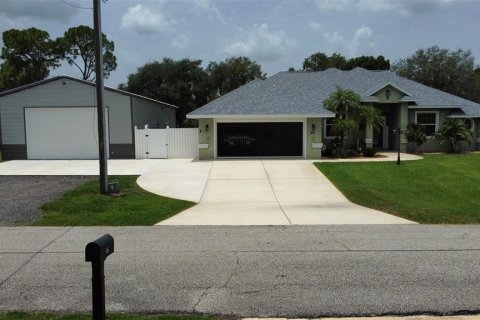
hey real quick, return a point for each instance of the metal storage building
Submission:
(56, 118)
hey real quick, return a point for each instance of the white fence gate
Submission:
(167, 143)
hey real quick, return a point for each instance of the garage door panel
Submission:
(266, 139)
(61, 133)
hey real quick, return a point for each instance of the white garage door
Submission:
(61, 133)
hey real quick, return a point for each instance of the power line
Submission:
(74, 5)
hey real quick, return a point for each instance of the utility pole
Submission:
(102, 135)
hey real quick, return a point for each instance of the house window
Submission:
(429, 120)
(329, 131)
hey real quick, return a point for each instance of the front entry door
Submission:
(381, 135)
(385, 137)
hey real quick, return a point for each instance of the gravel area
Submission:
(22, 196)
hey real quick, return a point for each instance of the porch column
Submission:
(369, 136)
(403, 122)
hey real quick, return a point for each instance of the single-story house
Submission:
(56, 118)
(284, 114)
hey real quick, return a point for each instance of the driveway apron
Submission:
(274, 192)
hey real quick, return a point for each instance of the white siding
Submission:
(166, 143)
(63, 93)
(182, 143)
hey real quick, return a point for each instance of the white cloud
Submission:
(336, 43)
(207, 7)
(261, 44)
(401, 7)
(361, 43)
(315, 26)
(332, 5)
(202, 5)
(180, 42)
(144, 20)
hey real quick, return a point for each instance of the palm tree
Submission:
(415, 135)
(454, 132)
(350, 115)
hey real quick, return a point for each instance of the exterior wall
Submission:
(206, 138)
(62, 93)
(432, 145)
(475, 145)
(395, 95)
(14, 151)
(315, 137)
(122, 151)
(151, 113)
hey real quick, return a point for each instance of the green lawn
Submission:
(113, 316)
(439, 189)
(84, 206)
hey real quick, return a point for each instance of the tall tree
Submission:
(474, 87)
(183, 83)
(338, 61)
(369, 63)
(450, 71)
(320, 61)
(232, 73)
(28, 56)
(77, 48)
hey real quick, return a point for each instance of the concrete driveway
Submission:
(230, 192)
(77, 167)
(273, 192)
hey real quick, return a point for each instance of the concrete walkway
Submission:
(77, 167)
(177, 178)
(272, 192)
(380, 157)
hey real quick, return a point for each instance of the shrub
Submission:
(333, 149)
(350, 153)
(415, 135)
(454, 132)
(369, 152)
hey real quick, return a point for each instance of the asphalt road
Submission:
(288, 271)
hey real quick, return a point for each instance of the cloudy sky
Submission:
(276, 33)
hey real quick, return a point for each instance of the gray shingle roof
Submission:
(38, 83)
(303, 93)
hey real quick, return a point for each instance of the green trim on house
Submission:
(314, 138)
(206, 140)
(393, 97)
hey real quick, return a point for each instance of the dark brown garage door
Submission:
(260, 139)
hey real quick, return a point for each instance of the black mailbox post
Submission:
(96, 252)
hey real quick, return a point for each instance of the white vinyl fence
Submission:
(167, 143)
